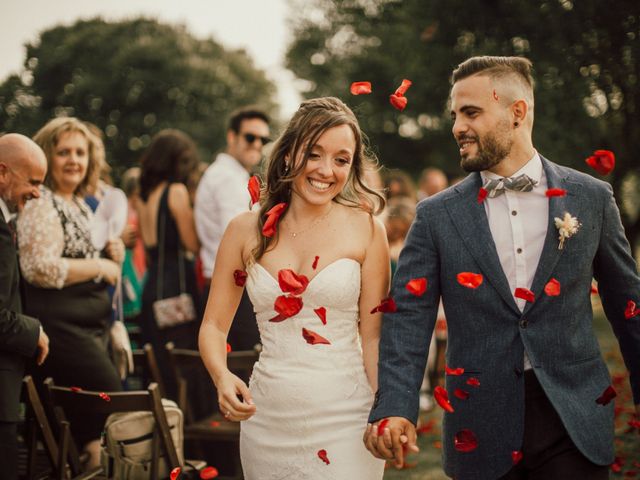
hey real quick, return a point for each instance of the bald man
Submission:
(23, 167)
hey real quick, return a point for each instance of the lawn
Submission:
(426, 465)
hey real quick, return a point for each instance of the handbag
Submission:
(172, 311)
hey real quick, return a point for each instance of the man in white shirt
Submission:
(221, 195)
(529, 395)
(22, 170)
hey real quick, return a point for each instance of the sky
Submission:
(258, 26)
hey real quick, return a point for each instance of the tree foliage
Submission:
(586, 56)
(132, 78)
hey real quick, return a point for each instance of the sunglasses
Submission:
(250, 138)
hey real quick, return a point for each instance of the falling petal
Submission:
(388, 305)
(461, 394)
(291, 282)
(322, 314)
(273, 215)
(606, 397)
(105, 397)
(228, 347)
(208, 473)
(313, 338)
(465, 441)
(381, 426)
(254, 189)
(315, 262)
(322, 455)
(240, 277)
(453, 371)
(175, 473)
(516, 456)
(473, 381)
(552, 288)
(417, 286)
(402, 89)
(631, 310)
(555, 192)
(442, 398)
(602, 161)
(525, 294)
(286, 307)
(399, 103)
(360, 88)
(470, 280)
(482, 194)
(594, 289)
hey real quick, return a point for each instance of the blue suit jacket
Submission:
(488, 334)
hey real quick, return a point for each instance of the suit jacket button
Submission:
(518, 372)
(524, 323)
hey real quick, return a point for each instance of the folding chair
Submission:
(63, 399)
(146, 367)
(214, 428)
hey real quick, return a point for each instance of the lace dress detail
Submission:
(309, 397)
(50, 230)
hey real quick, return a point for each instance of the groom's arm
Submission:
(618, 283)
(406, 333)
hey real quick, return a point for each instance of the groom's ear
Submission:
(519, 110)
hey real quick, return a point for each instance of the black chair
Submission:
(146, 368)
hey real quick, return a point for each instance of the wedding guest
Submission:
(399, 184)
(22, 170)
(432, 181)
(66, 278)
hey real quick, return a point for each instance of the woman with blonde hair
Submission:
(66, 277)
(317, 266)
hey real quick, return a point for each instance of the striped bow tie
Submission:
(521, 183)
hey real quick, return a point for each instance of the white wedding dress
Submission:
(312, 400)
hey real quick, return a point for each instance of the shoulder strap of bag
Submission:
(161, 239)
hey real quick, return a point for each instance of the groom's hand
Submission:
(398, 433)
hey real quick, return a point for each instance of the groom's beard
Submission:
(491, 151)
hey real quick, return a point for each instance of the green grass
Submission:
(427, 465)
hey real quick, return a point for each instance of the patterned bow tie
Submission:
(14, 231)
(521, 183)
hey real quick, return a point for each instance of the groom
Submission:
(526, 378)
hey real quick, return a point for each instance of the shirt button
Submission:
(514, 213)
(519, 250)
(524, 323)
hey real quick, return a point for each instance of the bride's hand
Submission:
(234, 398)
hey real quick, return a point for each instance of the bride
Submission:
(316, 263)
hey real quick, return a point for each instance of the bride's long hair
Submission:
(312, 119)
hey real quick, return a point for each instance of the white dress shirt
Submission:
(518, 222)
(6, 214)
(221, 195)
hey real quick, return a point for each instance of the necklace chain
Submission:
(312, 224)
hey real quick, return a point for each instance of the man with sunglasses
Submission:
(22, 170)
(222, 194)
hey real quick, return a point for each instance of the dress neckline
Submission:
(275, 280)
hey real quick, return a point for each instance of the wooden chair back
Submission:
(146, 366)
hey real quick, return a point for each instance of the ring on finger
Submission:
(227, 414)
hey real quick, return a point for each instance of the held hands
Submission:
(115, 250)
(230, 388)
(43, 347)
(398, 432)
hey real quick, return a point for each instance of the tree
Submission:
(132, 78)
(586, 56)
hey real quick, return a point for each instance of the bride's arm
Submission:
(375, 286)
(223, 301)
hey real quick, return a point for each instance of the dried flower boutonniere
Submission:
(567, 227)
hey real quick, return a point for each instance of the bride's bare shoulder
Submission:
(361, 221)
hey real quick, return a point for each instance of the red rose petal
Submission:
(322, 314)
(634, 424)
(525, 294)
(228, 348)
(606, 397)
(602, 161)
(360, 88)
(516, 456)
(286, 307)
(552, 288)
(273, 215)
(214, 424)
(240, 277)
(175, 473)
(381, 426)
(315, 262)
(453, 371)
(313, 338)
(254, 189)
(461, 394)
(465, 441)
(388, 305)
(291, 282)
(105, 397)
(75, 389)
(470, 280)
(208, 472)
(322, 455)
(616, 468)
(399, 103)
(482, 194)
(473, 381)
(442, 398)
(402, 89)
(555, 192)
(631, 310)
(417, 286)
(594, 289)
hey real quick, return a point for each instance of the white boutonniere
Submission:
(567, 227)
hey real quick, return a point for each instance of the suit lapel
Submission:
(470, 220)
(557, 208)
